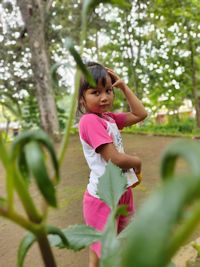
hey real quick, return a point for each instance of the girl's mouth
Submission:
(104, 106)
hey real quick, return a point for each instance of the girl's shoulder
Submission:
(93, 130)
(91, 119)
(94, 119)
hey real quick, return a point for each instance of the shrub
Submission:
(178, 127)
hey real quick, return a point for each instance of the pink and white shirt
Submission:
(95, 131)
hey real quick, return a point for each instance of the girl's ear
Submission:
(82, 105)
(82, 101)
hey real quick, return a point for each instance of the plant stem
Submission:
(73, 104)
(70, 120)
(26, 199)
(18, 219)
(38, 230)
(9, 188)
(9, 178)
(45, 249)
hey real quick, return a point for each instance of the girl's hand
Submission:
(119, 83)
(137, 111)
(138, 167)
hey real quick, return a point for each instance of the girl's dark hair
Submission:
(99, 73)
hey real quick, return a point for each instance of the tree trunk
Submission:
(33, 14)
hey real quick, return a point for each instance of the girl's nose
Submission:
(104, 97)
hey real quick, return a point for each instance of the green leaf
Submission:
(188, 150)
(70, 46)
(23, 168)
(39, 136)
(112, 184)
(121, 210)
(58, 232)
(78, 236)
(36, 164)
(151, 233)
(144, 235)
(25, 245)
(110, 188)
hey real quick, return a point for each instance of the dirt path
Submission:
(74, 175)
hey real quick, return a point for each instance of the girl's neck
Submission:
(98, 114)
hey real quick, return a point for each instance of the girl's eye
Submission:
(95, 92)
(109, 91)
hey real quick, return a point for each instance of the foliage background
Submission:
(154, 46)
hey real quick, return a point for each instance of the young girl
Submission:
(101, 141)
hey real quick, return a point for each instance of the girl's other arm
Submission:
(137, 111)
(124, 161)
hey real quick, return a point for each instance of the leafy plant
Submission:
(163, 211)
(22, 162)
(183, 127)
(27, 159)
(161, 226)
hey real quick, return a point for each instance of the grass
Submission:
(184, 128)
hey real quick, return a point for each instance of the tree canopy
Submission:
(153, 45)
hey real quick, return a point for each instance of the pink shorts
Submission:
(96, 213)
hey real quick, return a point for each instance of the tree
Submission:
(153, 45)
(127, 46)
(15, 78)
(155, 50)
(33, 13)
(179, 23)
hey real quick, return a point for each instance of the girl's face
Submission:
(100, 99)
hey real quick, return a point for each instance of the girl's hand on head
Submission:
(119, 83)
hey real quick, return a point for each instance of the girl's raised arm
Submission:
(137, 111)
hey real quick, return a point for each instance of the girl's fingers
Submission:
(117, 81)
(110, 71)
(113, 75)
(116, 84)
